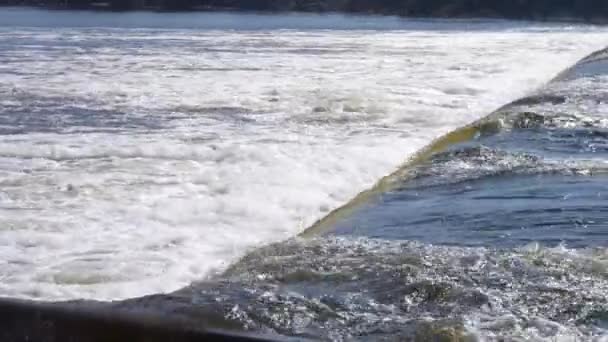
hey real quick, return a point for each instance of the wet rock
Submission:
(439, 331)
(428, 291)
(528, 120)
(539, 99)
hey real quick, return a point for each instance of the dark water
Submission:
(501, 211)
(499, 236)
(542, 184)
(535, 172)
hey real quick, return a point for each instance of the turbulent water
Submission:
(498, 232)
(141, 152)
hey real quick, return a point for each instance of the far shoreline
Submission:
(106, 8)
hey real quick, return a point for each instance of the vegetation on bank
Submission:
(590, 10)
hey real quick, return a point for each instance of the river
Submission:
(140, 152)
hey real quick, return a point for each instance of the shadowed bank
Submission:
(586, 10)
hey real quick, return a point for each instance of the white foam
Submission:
(172, 153)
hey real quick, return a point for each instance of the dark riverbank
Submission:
(42, 322)
(595, 11)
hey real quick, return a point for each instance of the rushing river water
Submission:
(141, 152)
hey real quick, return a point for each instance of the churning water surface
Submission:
(140, 152)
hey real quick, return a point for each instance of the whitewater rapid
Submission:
(137, 160)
